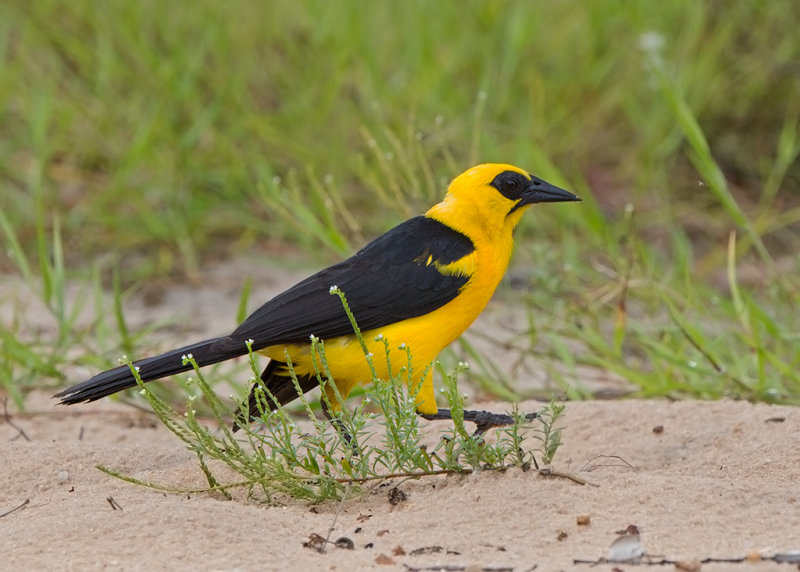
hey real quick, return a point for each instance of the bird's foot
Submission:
(483, 420)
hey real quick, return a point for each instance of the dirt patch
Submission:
(698, 479)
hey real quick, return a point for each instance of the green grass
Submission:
(141, 139)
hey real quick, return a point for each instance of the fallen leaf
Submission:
(315, 542)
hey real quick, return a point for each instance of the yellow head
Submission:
(490, 198)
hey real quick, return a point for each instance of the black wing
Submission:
(387, 281)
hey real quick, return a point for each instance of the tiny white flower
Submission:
(402, 346)
(333, 289)
(250, 341)
(136, 367)
(651, 42)
(184, 358)
(190, 356)
(378, 337)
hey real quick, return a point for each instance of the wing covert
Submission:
(389, 280)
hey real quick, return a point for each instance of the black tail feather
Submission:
(150, 369)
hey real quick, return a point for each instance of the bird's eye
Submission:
(510, 185)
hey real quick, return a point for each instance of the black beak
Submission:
(540, 191)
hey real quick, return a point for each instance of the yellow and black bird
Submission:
(419, 286)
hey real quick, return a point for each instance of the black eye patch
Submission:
(510, 184)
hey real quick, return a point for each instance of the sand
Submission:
(698, 479)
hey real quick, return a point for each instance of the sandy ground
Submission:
(719, 480)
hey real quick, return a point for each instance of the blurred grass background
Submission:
(143, 139)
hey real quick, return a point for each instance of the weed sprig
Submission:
(275, 458)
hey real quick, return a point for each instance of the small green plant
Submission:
(274, 457)
(548, 435)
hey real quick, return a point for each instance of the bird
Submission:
(412, 291)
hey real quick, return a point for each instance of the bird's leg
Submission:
(484, 420)
(339, 426)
